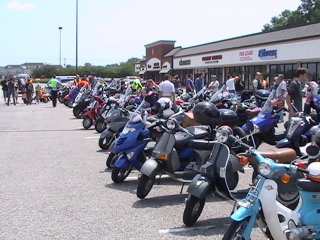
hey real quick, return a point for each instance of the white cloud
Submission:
(16, 5)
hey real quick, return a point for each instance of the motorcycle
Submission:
(265, 124)
(298, 132)
(69, 98)
(276, 220)
(92, 112)
(173, 156)
(221, 174)
(81, 102)
(130, 146)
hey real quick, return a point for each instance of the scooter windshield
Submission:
(218, 95)
(268, 107)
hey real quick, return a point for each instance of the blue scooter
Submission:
(276, 220)
(265, 123)
(130, 146)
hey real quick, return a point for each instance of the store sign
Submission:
(267, 54)
(153, 64)
(246, 55)
(184, 62)
(212, 59)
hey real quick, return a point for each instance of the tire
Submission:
(235, 230)
(104, 143)
(45, 100)
(192, 210)
(289, 199)
(77, 112)
(145, 185)
(69, 103)
(118, 175)
(100, 125)
(65, 102)
(61, 99)
(111, 160)
(87, 122)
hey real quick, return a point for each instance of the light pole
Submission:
(76, 37)
(60, 28)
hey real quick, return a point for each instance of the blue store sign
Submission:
(267, 54)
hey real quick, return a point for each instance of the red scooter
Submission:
(92, 112)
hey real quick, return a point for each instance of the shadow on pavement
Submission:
(160, 201)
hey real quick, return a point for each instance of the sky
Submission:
(112, 31)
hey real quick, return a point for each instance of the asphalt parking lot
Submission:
(53, 185)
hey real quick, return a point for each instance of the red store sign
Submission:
(214, 57)
(246, 55)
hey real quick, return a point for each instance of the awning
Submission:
(165, 70)
(142, 72)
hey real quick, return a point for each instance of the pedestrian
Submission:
(167, 97)
(189, 84)
(231, 85)
(16, 89)
(239, 85)
(311, 94)
(280, 94)
(257, 82)
(54, 84)
(199, 82)
(11, 91)
(294, 91)
(37, 91)
(150, 92)
(29, 91)
(4, 84)
(214, 84)
(176, 83)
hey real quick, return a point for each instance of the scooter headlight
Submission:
(127, 130)
(264, 169)
(223, 133)
(171, 124)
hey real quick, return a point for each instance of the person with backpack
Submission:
(54, 84)
(11, 91)
(29, 91)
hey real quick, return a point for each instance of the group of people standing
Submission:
(10, 89)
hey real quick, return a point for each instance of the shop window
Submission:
(312, 71)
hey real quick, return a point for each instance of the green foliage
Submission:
(307, 12)
(112, 70)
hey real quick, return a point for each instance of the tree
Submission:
(307, 12)
(47, 71)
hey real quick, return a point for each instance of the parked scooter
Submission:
(276, 220)
(265, 124)
(69, 98)
(130, 146)
(81, 102)
(298, 132)
(92, 112)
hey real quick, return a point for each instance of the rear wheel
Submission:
(236, 229)
(118, 175)
(87, 122)
(193, 210)
(100, 125)
(61, 99)
(145, 185)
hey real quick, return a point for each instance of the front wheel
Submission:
(111, 160)
(87, 122)
(77, 112)
(100, 125)
(289, 199)
(104, 143)
(236, 229)
(145, 185)
(193, 210)
(118, 175)
(70, 103)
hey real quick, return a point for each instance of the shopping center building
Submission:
(281, 51)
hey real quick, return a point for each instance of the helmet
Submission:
(206, 113)
(314, 171)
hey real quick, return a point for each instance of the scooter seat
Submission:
(280, 155)
(308, 185)
(253, 112)
(152, 119)
(199, 132)
(182, 139)
(199, 144)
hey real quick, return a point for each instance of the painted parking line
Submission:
(185, 229)
(93, 137)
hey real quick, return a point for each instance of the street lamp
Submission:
(76, 37)
(60, 28)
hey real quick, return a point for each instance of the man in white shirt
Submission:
(230, 85)
(214, 85)
(166, 93)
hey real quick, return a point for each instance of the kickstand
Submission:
(159, 181)
(182, 187)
